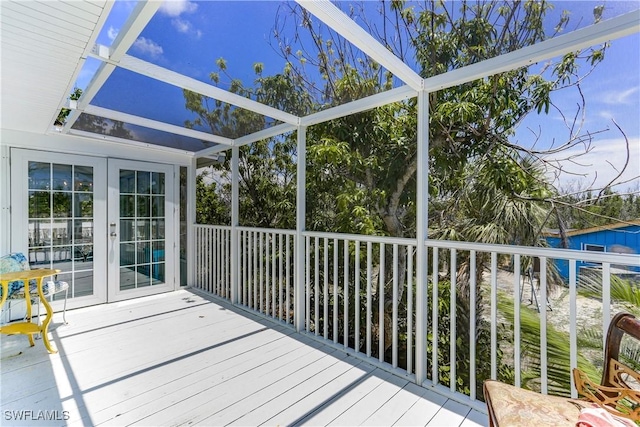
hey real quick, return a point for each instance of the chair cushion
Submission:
(513, 406)
(15, 261)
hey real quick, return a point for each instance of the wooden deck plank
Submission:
(377, 398)
(451, 414)
(182, 358)
(300, 410)
(421, 412)
(326, 414)
(394, 408)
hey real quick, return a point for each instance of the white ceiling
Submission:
(44, 44)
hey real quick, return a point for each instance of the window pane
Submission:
(157, 183)
(62, 205)
(39, 204)
(83, 178)
(158, 206)
(62, 177)
(127, 181)
(143, 206)
(83, 205)
(39, 176)
(61, 232)
(127, 206)
(144, 182)
(127, 231)
(82, 231)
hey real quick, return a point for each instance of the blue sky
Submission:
(188, 37)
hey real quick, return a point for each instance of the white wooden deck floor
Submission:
(182, 359)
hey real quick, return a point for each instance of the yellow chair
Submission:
(16, 261)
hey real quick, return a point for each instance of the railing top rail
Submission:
(553, 253)
(213, 227)
(268, 230)
(363, 238)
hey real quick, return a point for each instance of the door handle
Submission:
(112, 226)
(113, 234)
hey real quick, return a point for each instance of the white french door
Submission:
(141, 223)
(109, 225)
(58, 219)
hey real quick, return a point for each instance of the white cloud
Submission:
(175, 8)
(617, 97)
(148, 47)
(598, 166)
(112, 33)
(182, 25)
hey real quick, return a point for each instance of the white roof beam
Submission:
(601, 32)
(127, 142)
(139, 18)
(264, 134)
(154, 124)
(328, 13)
(171, 77)
(360, 105)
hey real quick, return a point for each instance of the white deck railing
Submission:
(360, 294)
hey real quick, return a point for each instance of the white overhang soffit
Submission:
(128, 34)
(601, 32)
(328, 13)
(102, 19)
(154, 124)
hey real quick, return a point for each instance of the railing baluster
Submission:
(316, 286)
(308, 284)
(356, 279)
(394, 318)
(543, 325)
(345, 290)
(573, 315)
(280, 275)
(410, 309)
(472, 324)
(288, 278)
(494, 315)
(325, 290)
(369, 284)
(381, 305)
(274, 277)
(256, 284)
(261, 275)
(336, 301)
(516, 319)
(452, 320)
(434, 318)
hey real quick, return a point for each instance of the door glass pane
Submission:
(142, 218)
(61, 223)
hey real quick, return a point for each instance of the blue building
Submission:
(622, 237)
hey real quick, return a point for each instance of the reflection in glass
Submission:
(127, 253)
(158, 251)
(39, 204)
(144, 182)
(61, 258)
(127, 231)
(62, 177)
(83, 256)
(83, 178)
(143, 229)
(127, 278)
(157, 274)
(158, 229)
(143, 253)
(61, 234)
(143, 277)
(82, 284)
(40, 257)
(62, 205)
(39, 232)
(127, 206)
(158, 206)
(143, 206)
(83, 205)
(82, 231)
(39, 176)
(127, 181)
(157, 183)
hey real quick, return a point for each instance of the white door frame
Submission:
(114, 293)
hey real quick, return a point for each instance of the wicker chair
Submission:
(16, 261)
(618, 392)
